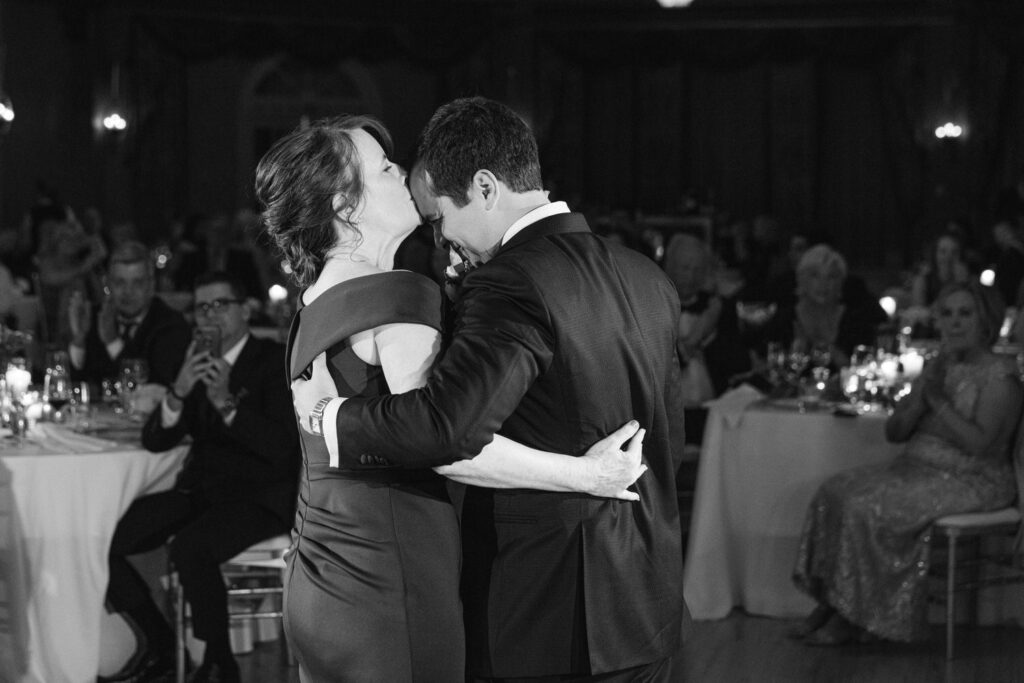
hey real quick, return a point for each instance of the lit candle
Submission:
(277, 293)
(888, 369)
(18, 379)
(913, 363)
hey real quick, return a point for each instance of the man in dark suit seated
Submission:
(131, 323)
(238, 485)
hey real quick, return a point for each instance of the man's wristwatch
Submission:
(316, 418)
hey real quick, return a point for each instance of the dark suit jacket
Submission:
(560, 339)
(256, 459)
(160, 340)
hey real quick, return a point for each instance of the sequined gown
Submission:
(371, 591)
(865, 543)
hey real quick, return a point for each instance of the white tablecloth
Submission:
(754, 483)
(67, 506)
(759, 469)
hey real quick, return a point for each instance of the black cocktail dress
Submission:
(373, 576)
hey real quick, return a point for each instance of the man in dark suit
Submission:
(131, 323)
(238, 485)
(559, 337)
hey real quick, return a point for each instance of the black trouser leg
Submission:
(146, 525)
(199, 549)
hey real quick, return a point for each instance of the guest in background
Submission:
(1009, 260)
(68, 261)
(864, 551)
(238, 485)
(821, 318)
(130, 323)
(709, 345)
(944, 266)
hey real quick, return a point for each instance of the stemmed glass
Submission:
(133, 372)
(57, 390)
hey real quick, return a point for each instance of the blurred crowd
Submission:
(59, 253)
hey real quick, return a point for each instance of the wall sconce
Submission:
(6, 108)
(949, 130)
(113, 118)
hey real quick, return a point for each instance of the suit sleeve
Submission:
(156, 438)
(502, 343)
(265, 422)
(168, 353)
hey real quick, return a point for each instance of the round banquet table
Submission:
(760, 465)
(61, 496)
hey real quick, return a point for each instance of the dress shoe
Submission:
(214, 672)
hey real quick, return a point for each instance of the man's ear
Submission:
(485, 185)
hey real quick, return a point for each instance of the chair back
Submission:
(1018, 468)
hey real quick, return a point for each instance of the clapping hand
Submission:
(610, 468)
(106, 321)
(306, 392)
(931, 383)
(79, 317)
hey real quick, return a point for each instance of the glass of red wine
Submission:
(57, 391)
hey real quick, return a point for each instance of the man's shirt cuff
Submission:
(330, 429)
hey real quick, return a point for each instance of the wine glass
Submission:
(134, 372)
(57, 390)
(79, 405)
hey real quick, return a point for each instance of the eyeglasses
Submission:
(215, 306)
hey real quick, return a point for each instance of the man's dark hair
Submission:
(474, 133)
(217, 277)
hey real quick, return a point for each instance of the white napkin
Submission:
(50, 436)
(734, 402)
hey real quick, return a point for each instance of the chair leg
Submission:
(950, 595)
(179, 629)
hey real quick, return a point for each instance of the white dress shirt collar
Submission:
(532, 217)
(231, 355)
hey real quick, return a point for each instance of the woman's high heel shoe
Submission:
(812, 622)
(838, 631)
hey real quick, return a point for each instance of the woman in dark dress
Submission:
(825, 315)
(373, 574)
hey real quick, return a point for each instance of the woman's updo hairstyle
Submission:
(307, 179)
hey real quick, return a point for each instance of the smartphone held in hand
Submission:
(207, 338)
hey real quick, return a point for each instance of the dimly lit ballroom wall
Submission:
(820, 113)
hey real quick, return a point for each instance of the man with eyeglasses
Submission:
(238, 485)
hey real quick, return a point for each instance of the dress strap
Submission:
(359, 304)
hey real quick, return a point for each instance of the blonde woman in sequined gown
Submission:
(864, 551)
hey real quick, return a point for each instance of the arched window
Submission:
(282, 93)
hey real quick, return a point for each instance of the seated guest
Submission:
(238, 486)
(1009, 260)
(826, 314)
(864, 551)
(131, 323)
(67, 259)
(709, 346)
(944, 266)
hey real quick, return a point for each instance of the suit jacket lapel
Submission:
(558, 224)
